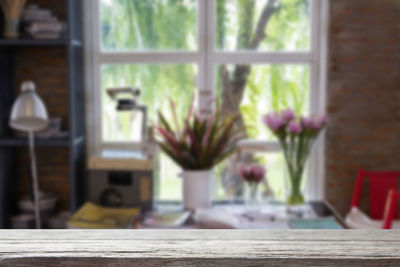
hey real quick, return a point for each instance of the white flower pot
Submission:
(197, 189)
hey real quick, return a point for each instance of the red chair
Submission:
(391, 208)
(379, 185)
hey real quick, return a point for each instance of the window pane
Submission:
(138, 25)
(254, 90)
(168, 183)
(263, 25)
(157, 82)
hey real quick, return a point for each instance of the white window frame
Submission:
(207, 58)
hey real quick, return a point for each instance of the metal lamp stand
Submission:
(34, 179)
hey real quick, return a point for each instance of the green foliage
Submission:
(171, 25)
(275, 86)
(250, 114)
(222, 16)
(287, 30)
(246, 11)
(138, 25)
(157, 83)
(148, 25)
(268, 88)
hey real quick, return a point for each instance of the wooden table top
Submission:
(199, 247)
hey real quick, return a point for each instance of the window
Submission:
(254, 56)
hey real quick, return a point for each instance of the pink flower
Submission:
(319, 122)
(306, 122)
(274, 121)
(315, 123)
(288, 115)
(294, 127)
(251, 173)
(242, 170)
(258, 171)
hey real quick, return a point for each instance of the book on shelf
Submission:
(92, 216)
(45, 27)
(38, 23)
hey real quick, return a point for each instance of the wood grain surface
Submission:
(199, 248)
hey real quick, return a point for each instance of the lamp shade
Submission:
(28, 112)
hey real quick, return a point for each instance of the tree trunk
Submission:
(234, 82)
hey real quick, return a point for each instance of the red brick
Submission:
(363, 93)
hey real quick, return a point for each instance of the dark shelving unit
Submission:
(52, 142)
(33, 42)
(40, 42)
(75, 141)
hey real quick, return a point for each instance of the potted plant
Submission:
(197, 144)
(296, 136)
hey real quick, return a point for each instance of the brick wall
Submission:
(47, 68)
(363, 93)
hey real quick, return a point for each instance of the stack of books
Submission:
(41, 23)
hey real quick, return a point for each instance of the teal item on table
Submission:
(316, 223)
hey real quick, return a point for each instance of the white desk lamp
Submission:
(29, 114)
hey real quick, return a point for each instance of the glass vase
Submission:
(252, 194)
(294, 193)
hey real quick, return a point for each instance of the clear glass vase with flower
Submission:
(296, 136)
(252, 174)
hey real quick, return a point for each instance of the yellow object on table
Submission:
(92, 216)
